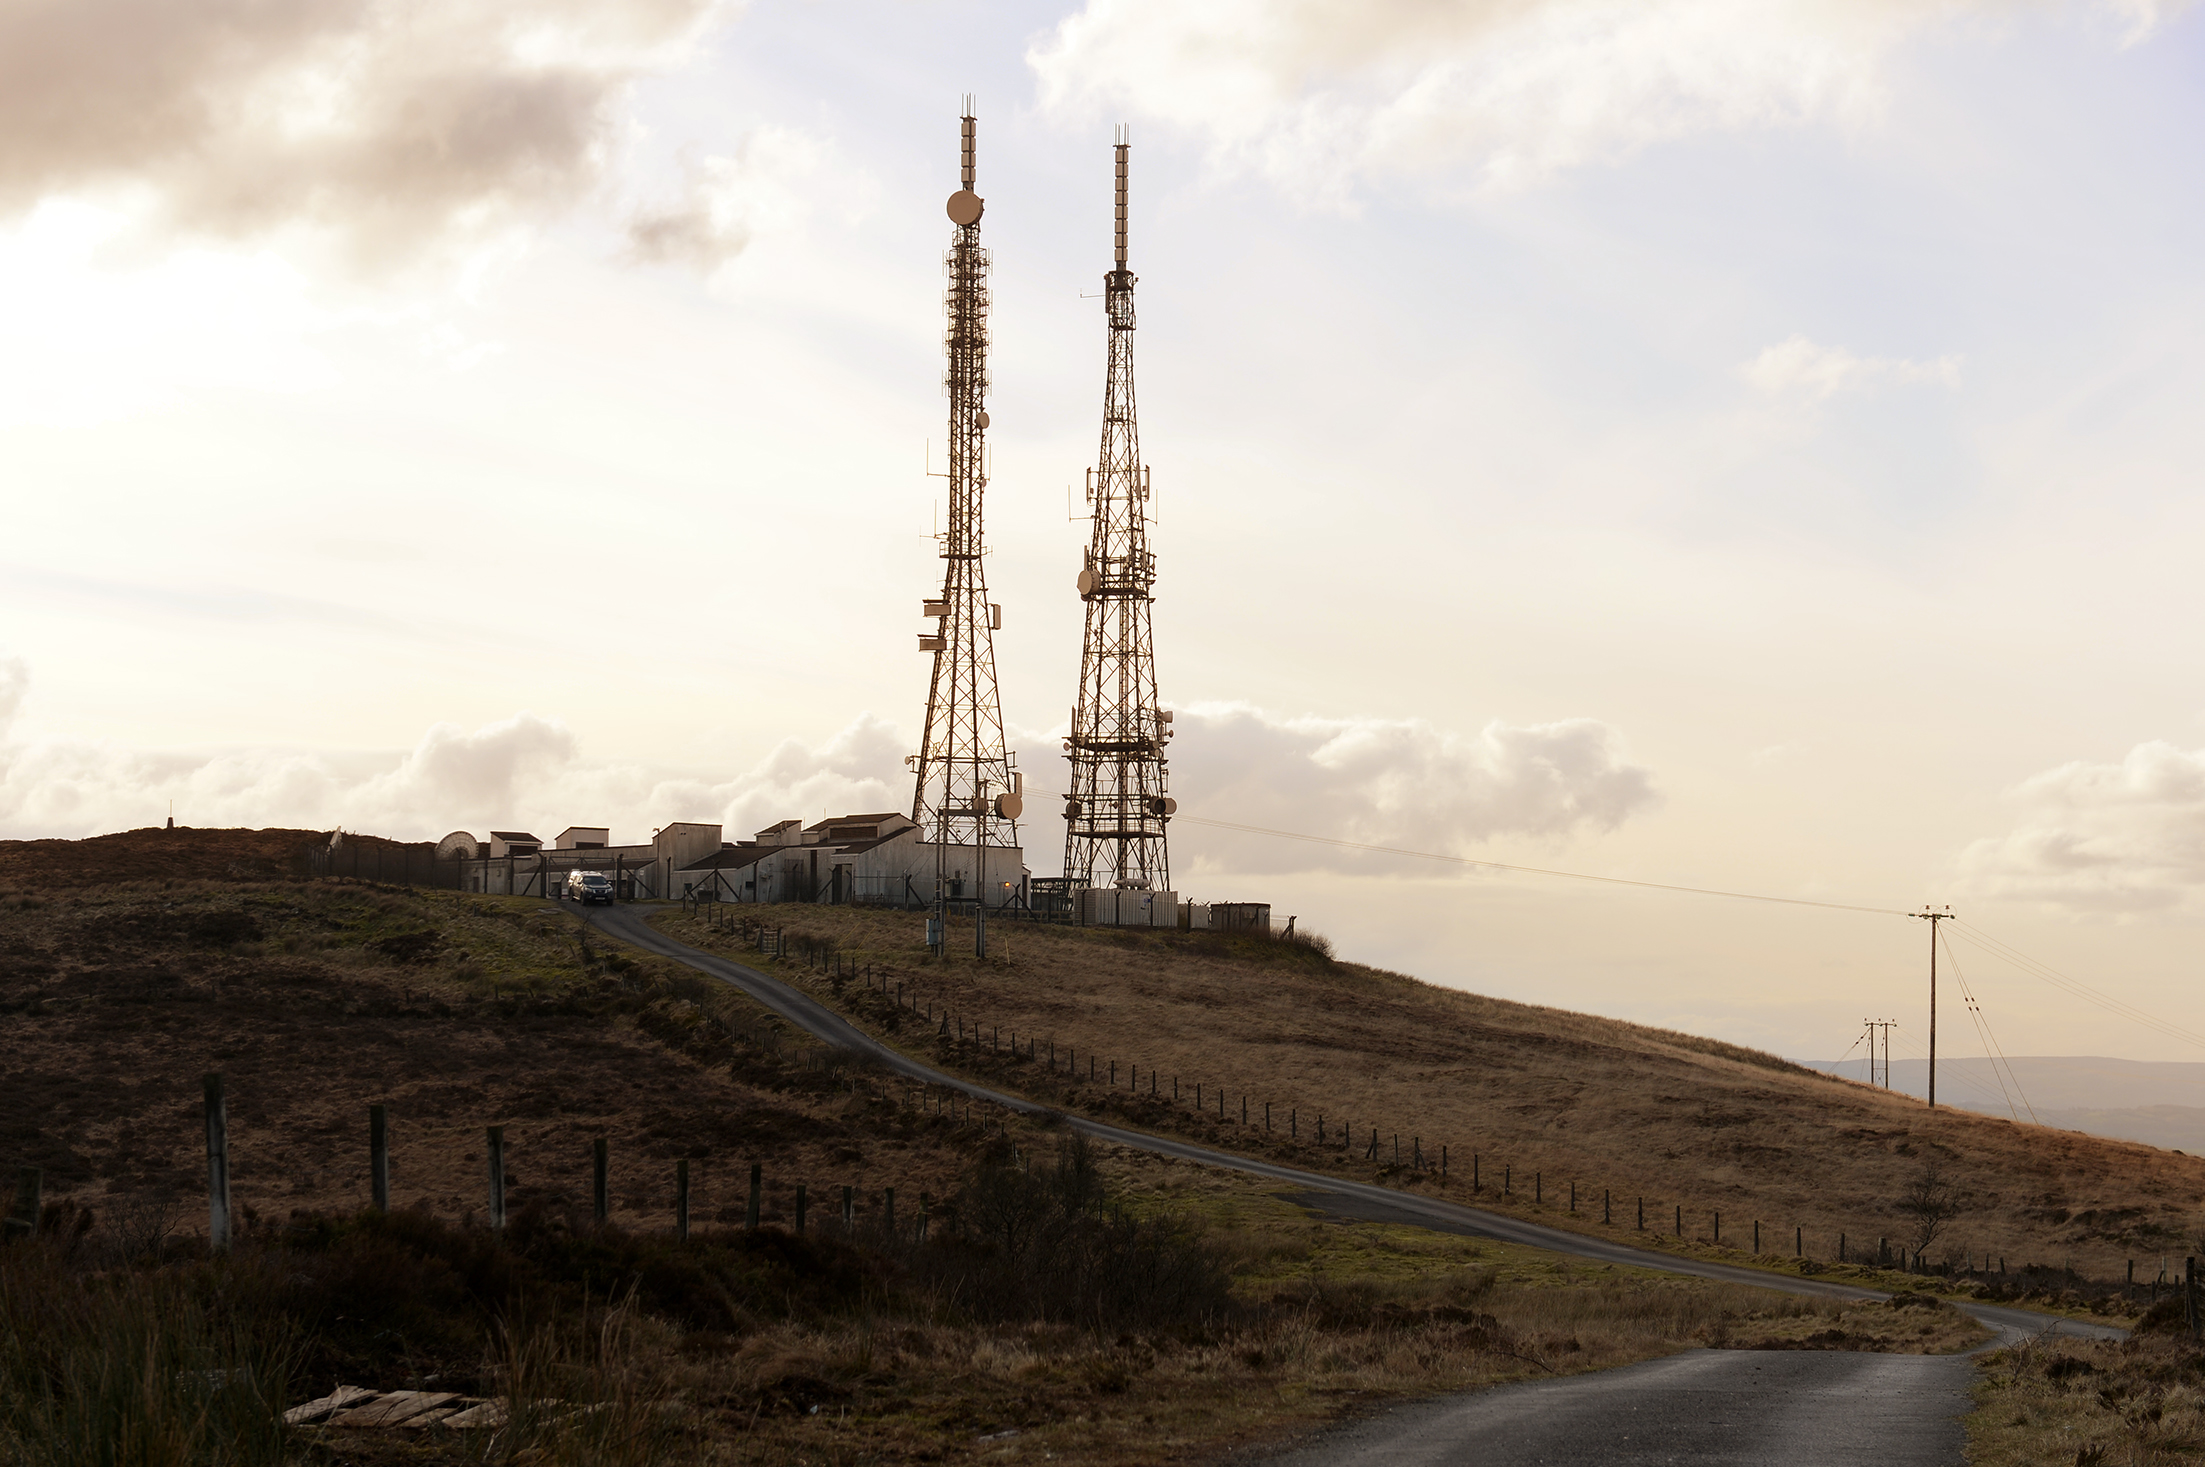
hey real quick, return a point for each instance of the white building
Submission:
(873, 859)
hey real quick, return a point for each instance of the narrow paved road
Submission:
(1357, 1200)
(1710, 1408)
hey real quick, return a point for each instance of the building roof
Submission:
(834, 820)
(734, 858)
(509, 836)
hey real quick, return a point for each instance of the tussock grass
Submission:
(2096, 1403)
(1623, 1109)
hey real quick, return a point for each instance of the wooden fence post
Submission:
(379, 1157)
(495, 1138)
(30, 1190)
(888, 1210)
(601, 1180)
(218, 1164)
(681, 1200)
(757, 1185)
(799, 1207)
(2189, 1292)
(849, 1207)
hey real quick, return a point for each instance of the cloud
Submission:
(1318, 95)
(521, 772)
(77, 788)
(726, 201)
(1400, 782)
(391, 126)
(2121, 838)
(1797, 367)
(15, 685)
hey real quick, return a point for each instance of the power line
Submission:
(2076, 988)
(1991, 1048)
(1357, 845)
(2042, 971)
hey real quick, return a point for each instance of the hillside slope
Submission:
(1542, 1097)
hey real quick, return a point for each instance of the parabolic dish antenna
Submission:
(965, 207)
(1087, 582)
(983, 420)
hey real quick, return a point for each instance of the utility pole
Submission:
(1933, 916)
(1885, 1026)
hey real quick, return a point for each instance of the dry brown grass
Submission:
(2096, 1403)
(457, 1012)
(1553, 1096)
(1356, 1314)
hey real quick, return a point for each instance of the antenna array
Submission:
(966, 793)
(1116, 810)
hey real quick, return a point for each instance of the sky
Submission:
(1743, 446)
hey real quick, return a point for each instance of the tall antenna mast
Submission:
(1116, 811)
(966, 794)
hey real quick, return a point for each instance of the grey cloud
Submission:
(522, 771)
(2097, 837)
(1398, 782)
(393, 125)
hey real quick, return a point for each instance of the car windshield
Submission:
(595, 881)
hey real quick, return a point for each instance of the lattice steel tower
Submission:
(966, 795)
(1117, 808)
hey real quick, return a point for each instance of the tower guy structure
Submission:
(966, 797)
(1116, 810)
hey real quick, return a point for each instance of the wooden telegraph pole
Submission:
(1933, 916)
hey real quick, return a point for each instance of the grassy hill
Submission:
(1541, 1096)
(1106, 1309)
(124, 976)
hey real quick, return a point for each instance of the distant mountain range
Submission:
(2158, 1102)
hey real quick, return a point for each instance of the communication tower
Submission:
(1117, 809)
(966, 797)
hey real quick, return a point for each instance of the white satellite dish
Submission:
(1010, 807)
(1087, 582)
(983, 420)
(965, 207)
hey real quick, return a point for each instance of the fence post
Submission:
(379, 1157)
(218, 1164)
(601, 1180)
(496, 1139)
(888, 1209)
(757, 1185)
(681, 1200)
(30, 1190)
(849, 1207)
(2189, 1292)
(799, 1207)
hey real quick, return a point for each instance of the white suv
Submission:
(589, 886)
